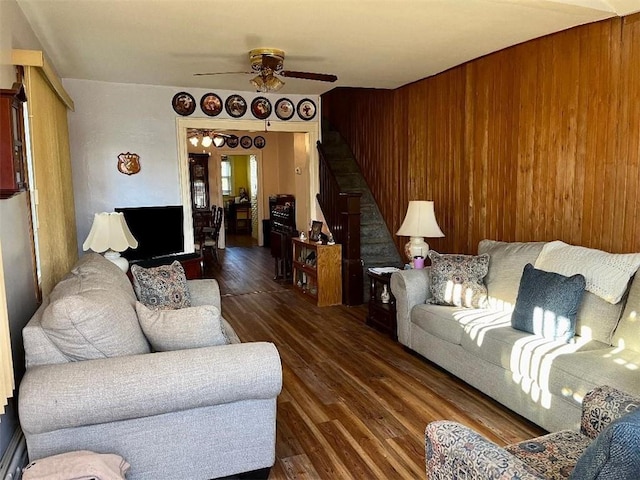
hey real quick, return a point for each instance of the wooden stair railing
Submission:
(341, 211)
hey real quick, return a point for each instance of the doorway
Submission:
(302, 180)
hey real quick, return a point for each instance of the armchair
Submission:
(606, 447)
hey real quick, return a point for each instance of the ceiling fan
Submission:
(269, 62)
(206, 137)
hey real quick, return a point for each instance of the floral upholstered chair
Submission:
(606, 447)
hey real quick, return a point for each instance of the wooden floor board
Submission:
(354, 402)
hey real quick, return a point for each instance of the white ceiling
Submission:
(366, 43)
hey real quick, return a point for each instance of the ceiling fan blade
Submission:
(222, 73)
(322, 77)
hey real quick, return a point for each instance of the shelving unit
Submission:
(382, 312)
(317, 272)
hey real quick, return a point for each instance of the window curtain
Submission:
(7, 383)
(55, 222)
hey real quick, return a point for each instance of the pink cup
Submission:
(418, 263)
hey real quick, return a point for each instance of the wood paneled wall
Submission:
(540, 141)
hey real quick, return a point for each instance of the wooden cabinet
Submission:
(317, 272)
(12, 152)
(199, 176)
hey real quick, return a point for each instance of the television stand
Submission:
(193, 263)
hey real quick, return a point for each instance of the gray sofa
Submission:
(200, 413)
(543, 380)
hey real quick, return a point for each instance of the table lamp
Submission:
(419, 222)
(110, 234)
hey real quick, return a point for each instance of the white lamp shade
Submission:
(109, 232)
(420, 221)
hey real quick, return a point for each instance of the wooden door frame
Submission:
(311, 129)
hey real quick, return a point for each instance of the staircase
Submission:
(377, 248)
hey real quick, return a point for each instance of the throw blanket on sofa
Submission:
(79, 465)
(607, 274)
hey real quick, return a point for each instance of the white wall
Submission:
(113, 118)
(20, 287)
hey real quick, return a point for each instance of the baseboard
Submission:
(14, 458)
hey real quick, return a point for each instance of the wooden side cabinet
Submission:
(382, 307)
(12, 153)
(317, 272)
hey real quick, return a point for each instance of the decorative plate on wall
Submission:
(183, 103)
(261, 108)
(232, 141)
(211, 104)
(306, 109)
(259, 141)
(236, 106)
(284, 109)
(246, 141)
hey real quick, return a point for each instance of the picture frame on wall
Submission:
(183, 103)
(306, 109)
(235, 105)
(211, 104)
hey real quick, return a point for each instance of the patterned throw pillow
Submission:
(163, 287)
(457, 280)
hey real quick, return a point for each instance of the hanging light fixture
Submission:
(218, 141)
(273, 84)
(194, 141)
(207, 140)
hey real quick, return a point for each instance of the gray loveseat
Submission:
(543, 380)
(200, 413)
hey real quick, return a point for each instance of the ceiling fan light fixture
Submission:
(259, 83)
(218, 141)
(274, 84)
(206, 141)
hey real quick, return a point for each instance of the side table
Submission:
(382, 314)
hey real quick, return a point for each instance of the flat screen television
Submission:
(159, 231)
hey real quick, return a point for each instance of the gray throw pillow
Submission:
(614, 454)
(192, 327)
(548, 303)
(161, 288)
(457, 280)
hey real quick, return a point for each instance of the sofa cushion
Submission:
(93, 265)
(439, 320)
(548, 303)
(607, 274)
(627, 335)
(554, 455)
(162, 287)
(597, 319)
(614, 453)
(506, 263)
(457, 280)
(94, 324)
(574, 374)
(191, 327)
(94, 272)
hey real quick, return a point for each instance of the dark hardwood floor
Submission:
(354, 403)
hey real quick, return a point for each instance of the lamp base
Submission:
(416, 247)
(116, 258)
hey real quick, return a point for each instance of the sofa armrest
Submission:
(603, 405)
(410, 288)
(91, 392)
(204, 291)
(456, 451)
